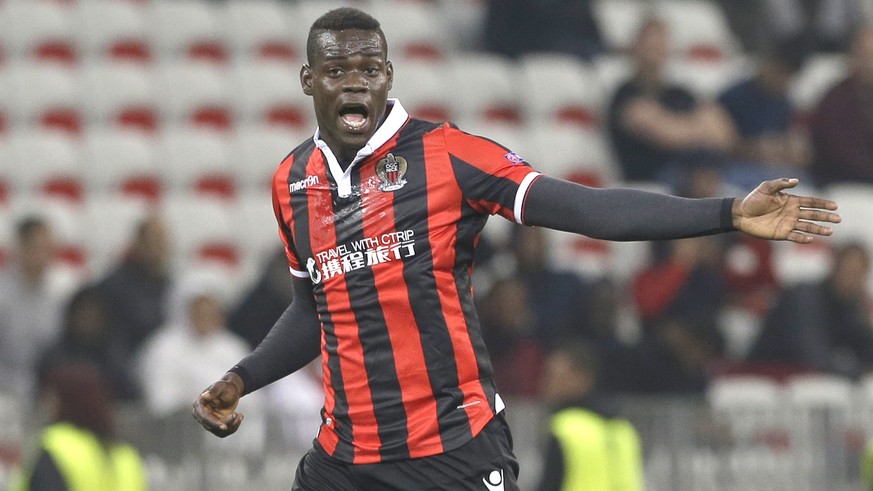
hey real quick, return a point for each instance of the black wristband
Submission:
(244, 375)
(727, 215)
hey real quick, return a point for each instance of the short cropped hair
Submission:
(338, 20)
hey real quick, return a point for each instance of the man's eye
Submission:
(372, 70)
(334, 72)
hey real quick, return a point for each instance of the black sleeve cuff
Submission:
(245, 376)
(727, 216)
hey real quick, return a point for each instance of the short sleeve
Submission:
(492, 178)
(294, 264)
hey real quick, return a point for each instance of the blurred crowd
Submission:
(694, 309)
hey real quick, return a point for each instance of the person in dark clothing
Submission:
(657, 127)
(264, 303)
(380, 213)
(136, 290)
(87, 337)
(823, 326)
(589, 447)
(842, 125)
(515, 27)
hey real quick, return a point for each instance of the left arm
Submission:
(628, 214)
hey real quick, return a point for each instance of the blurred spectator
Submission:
(86, 337)
(589, 447)
(515, 27)
(689, 283)
(78, 450)
(676, 355)
(827, 24)
(31, 300)
(770, 145)
(508, 329)
(657, 127)
(824, 326)
(136, 289)
(679, 299)
(555, 299)
(842, 125)
(191, 351)
(264, 303)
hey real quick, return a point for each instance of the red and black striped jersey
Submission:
(388, 245)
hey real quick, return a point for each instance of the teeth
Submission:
(356, 123)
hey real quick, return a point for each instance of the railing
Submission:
(687, 446)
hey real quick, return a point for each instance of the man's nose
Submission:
(356, 82)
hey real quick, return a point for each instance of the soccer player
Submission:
(380, 213)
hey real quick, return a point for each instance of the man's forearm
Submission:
(293, 342)
(623, 214)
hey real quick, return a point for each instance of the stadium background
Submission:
(111, 108)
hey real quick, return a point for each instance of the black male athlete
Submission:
(380, 213)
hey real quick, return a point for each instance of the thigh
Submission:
(485, 463)
(318, 472)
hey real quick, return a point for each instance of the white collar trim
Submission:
(397, 117)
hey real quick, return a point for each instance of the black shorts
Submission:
(485, 463)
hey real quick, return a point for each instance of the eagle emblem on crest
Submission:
(391, 170)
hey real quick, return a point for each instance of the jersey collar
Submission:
(397, 117)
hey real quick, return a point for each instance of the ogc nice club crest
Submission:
(391, 170)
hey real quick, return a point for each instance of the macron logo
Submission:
(494, 481)
(303, 184)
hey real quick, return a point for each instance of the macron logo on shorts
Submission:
(494, 481)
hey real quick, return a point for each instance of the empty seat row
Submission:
(135, 164)
(215, 31)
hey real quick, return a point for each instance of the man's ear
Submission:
(390, 70)
(306, 79)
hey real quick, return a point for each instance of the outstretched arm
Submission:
(293, 342)
(629, 214)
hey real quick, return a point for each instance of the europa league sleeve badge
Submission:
(391, 170)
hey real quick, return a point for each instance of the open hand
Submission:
(215, 409)
(769, 213)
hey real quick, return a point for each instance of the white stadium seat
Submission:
(619, 20)
(38, 30)
(120, 94)
(260, 29)
(43, 163)
(255, 152)
(484, 88)
(120, 162)
(420, 86)
(202, 229)
(698, 29)
(270, 92)
(186, 29)
(46, 95)
(560, 88)
(112, 29)
(111, 222)
(196, 162)
(414, 29)
(194, 94)
(818, 75)
(257, 228)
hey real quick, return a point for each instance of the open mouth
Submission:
(354, 116)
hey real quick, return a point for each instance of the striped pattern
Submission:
(406, 372)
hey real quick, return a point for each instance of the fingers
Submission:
(213, 423)
(813, 228)
(819, 216)
(214, 414)
(776, 185)
(812, 202)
